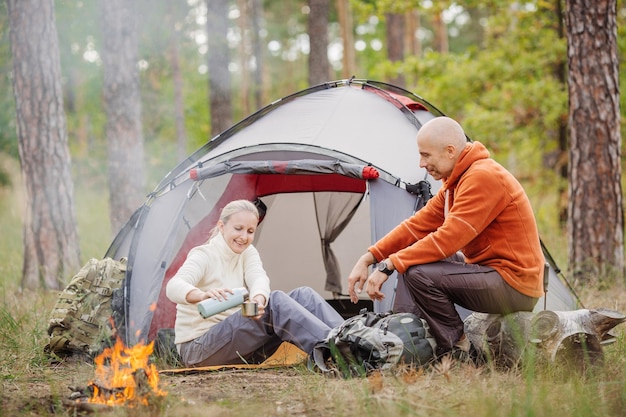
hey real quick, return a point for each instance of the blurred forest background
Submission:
(496, 66)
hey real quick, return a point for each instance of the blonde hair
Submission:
(231, 208)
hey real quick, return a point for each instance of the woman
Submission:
(229, 260)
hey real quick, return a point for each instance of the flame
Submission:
(124, 375)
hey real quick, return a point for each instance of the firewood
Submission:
(575, 337)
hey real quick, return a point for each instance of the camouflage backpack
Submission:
(80, 322)
(373, 341)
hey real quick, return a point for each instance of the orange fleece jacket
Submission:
(489, 219)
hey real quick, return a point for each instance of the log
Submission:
(573, 337)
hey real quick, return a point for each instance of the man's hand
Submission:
(358, 276)
(375, 284)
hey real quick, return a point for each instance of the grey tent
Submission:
(334, 167)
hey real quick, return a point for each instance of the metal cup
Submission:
(250, 309)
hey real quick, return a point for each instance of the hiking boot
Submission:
(463, 344)
(461, 355)
(464, 351)
(461, 350)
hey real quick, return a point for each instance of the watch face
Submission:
(382, 267)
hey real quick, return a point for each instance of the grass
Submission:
(31, 386)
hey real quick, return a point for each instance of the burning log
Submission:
(138, 387)
(124, 376)
(574, 337)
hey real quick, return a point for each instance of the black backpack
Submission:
(371, 341)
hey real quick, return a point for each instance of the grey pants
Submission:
(301, 317)
(432, 290)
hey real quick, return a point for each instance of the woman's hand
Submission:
(260, 301)
(197, 295)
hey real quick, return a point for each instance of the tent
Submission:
(334, 167)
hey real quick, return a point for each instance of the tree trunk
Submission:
(257, 50)
(595, 218)
(413, 43)
(220, 102)
(347, 36)
(122, 102)
(395, 43)
(562, 162)
(51, 250)
(179, 101)
(244, 56)
(573, 337)
(441, 33)
(319, 66)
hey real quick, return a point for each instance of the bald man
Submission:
(474, 244)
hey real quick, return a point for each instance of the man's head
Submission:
(440, 142)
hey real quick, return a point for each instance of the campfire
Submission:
(123, 376)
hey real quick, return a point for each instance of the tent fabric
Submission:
(287, 354)
(293, 167)
(336, 166)
(333, 213)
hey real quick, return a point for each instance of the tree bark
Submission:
(560, 72)
(319, 66)
(244, 56)
(257, 51)
(51, 250)
(179, 100)
(441, 33)
(595, 214)
(573, 337)
(122, 102)
(347, 36)
(395, 43)
(413, 43)
(220, 102)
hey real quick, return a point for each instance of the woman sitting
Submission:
(229, 260)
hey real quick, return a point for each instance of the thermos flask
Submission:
(212, 306)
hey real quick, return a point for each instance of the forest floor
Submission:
(452, 389)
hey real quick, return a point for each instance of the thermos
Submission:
(212, 306)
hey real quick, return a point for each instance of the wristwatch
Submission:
(382, 267)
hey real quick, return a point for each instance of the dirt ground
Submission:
(275, 392)
(287, 391)
(266, 392)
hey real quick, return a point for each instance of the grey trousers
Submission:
(301, 317)
(432, 290)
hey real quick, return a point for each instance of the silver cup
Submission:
(250, 309)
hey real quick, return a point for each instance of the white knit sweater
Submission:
(213, 265)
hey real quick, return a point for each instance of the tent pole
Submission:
(559, 272)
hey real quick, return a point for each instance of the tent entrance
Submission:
(314, 229)
(313, 239)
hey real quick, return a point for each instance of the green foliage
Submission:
(380, 7)
(11, 209)
(9, 332)
(22, 330)
(508, 94)
(502, 79)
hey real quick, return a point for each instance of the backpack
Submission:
(371, 341)
(82, 319)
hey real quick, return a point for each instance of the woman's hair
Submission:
(231, 208)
